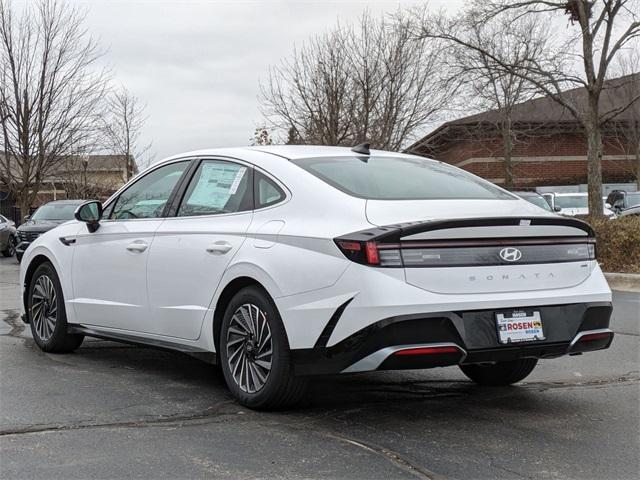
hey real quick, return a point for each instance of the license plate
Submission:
(519, 326)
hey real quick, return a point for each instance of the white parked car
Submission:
(285, 262)
(572, 204)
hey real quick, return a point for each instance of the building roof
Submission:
(545, 110)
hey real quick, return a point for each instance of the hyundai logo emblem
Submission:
(510, 254)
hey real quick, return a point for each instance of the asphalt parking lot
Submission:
(117, 411)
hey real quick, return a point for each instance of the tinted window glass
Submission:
(571, 201)
(55, 211)
(217, 187)
(395, 178)
(633, 199)
(267, 191)
(537, 200)
(147, 197)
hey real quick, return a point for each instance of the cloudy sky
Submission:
(197, 63)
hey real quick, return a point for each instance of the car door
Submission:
(109, 268)
(193, 247)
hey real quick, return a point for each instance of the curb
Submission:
(627, 282)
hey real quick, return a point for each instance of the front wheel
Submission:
(254, 353)
(47, 314)
(500, 373)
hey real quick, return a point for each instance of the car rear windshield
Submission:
(53, 211)
(399, 178)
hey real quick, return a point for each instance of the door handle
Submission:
(219, 248)
(137, 247)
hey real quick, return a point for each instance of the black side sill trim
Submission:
(204, 355)
(331, 325)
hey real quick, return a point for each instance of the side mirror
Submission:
(26, 218)
(557, 209)
(90, 213)
(608, 205)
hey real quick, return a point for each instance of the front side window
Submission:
(218, 187)
(400, 178)
(147, 197)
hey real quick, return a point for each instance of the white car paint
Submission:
(162, 278)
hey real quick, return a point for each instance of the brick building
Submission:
(549, 146)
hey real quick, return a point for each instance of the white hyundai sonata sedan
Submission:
(284, 262)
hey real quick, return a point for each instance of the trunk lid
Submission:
(455, 248)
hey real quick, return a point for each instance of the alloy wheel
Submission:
(249, 348)
(44, 307)
(11, 247)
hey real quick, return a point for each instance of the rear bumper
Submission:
(569, 329)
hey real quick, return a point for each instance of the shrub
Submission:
(618, 243)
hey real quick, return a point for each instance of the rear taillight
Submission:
(466, 253)
(370, 253)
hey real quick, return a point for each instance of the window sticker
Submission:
(217, 182)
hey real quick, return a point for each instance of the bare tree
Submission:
(370, 81)
(518, 42)
(50, 92)
(600, 30)
(122, 129)
(79, 181)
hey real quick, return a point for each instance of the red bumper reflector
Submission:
(592, 337)
(427, 351)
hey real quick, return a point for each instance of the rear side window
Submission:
(397, 178)
(266, 191)
(218, 187)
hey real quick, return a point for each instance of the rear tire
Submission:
(11, 247)
(255, 355)
(500, 373)
(47, 315)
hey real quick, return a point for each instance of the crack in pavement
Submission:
(163, 420)
(390, 455)
(628, 378)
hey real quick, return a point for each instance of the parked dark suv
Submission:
(45, 218)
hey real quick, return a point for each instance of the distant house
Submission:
(92, 176)
(549, 145)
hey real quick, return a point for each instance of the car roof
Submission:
(575, 194)
(288, 152)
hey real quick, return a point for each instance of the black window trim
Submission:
(114, 198)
